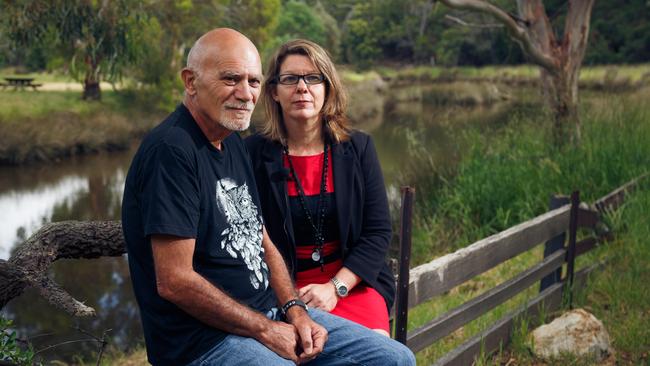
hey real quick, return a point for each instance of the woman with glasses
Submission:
(321, 189)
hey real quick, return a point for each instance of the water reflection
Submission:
(24, 211)
(87, 188)
(411, 136)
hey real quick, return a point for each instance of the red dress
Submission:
(363, 305)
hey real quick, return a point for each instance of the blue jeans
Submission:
(348, 344)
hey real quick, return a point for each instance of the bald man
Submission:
(211, 286)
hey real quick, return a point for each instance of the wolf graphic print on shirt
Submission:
(243, 238)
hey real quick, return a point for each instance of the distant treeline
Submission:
(361, 33)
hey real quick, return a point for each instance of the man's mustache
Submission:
(247, 106)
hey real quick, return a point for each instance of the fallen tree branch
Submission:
(29, 264)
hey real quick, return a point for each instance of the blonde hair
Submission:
(335, 123)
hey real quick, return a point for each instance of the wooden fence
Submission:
(444, 273)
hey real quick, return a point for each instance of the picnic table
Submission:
(19, 83)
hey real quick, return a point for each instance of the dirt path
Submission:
(69, 86)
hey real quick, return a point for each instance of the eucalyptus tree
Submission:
(100, 38)
(257, 19)
(559, 56)
(301, 20)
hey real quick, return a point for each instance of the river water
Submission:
(407, 134)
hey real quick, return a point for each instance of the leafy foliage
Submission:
(361, 42)
(299, 21)
(620, 32)
(100, 37)
(257, 19)
(10, 349)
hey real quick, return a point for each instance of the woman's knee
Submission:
(382, 332)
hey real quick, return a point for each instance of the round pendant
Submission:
(315, 255)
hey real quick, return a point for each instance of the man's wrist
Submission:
(293, 303)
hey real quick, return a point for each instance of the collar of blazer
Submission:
(343, 166)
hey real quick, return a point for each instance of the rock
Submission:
(576, 332)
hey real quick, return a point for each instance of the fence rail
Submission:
(444, 273)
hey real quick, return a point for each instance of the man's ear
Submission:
(189, 78)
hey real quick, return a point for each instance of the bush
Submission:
(10, 348)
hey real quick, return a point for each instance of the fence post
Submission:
(554, 244)
(401, 304)
(571, 251)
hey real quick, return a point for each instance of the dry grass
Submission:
(597, 77)
(137, 358)
(49, 126)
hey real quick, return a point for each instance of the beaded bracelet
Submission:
(291, 303)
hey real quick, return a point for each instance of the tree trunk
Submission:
(561, 94)
(91, 80)
(559, 61)
(91, 90)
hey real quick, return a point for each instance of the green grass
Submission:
(16, 105)
(605, 73)
(632, 73)
(616, 295)
(43, 126)
(619, 295)
(350, 76)
(505, 177)
(427, 311)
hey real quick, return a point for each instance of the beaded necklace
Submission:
(317, 228)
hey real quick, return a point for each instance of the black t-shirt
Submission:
(180, 184)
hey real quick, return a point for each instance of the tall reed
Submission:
(507, 176)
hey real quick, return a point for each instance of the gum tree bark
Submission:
(29, 264)
(560, 59)
(92, 90)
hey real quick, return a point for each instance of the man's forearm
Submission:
(312, 336)
(280, 279)
(178, 283)
(212, 306)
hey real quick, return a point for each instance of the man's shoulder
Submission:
(174, 130)
(256, 139)
(256, 143)
(235, 143)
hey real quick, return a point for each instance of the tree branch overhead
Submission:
(517, 27)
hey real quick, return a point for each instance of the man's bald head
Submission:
(214, 43)
(222, 82)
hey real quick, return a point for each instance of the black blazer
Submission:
(361, 205)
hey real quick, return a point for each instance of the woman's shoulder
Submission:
(359, 139)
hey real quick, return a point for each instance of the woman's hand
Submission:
(321, 296)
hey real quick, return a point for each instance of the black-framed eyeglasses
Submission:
(293, 79)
